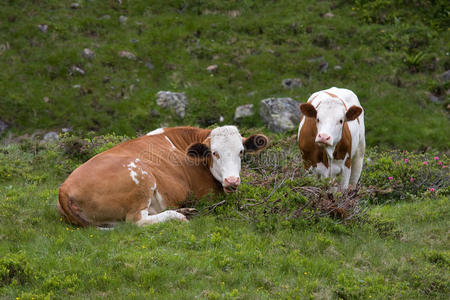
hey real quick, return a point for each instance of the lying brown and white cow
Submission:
(331, 135)
(139, 179)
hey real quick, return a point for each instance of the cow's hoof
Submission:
(188, 211)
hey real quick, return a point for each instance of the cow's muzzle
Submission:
(230, 184)
(323, 139)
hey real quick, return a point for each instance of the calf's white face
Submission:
(330, 117)
(223, 150)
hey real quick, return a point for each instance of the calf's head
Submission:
(223, 150)
(330, 116)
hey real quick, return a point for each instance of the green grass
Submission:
(255, 49)
(399, 250)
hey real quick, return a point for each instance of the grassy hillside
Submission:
(390, 53)
(240, 249)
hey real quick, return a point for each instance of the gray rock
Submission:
(434, 98)
(337, 68)
(66, 129)
(291, 83)
(175, 101)
(123, 19)
(149, 65)
(445, 76)
(43, 28)
(212, 68)
(88, 53)
(75, 69)
(127, 54)
(75, 5)
(323, 67)
(105, 17)
(3, 126)
(51, 137)
(243, 111)
(328, 15)
(280, 114)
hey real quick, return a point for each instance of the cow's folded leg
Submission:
(146, 219)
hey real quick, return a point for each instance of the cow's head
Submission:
(223, 151)
(330, 116)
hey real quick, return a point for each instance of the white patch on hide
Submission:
(156, 131)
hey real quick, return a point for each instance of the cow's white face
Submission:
(330, 116)
(227, 149)
(330, 119)
(224, 149)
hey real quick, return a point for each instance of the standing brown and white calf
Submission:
(331, 135)
(139, 179)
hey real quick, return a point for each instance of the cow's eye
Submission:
(317, 120)
(241, 152)
(341, 121)
(216, 154)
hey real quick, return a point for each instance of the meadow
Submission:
(281, 235)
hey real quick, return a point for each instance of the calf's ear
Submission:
(255, 143)
(198, 150)
(308, 110)
(353, 112)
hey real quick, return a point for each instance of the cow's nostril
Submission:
(328, 138)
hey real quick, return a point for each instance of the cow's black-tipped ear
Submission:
(308, 110)
(353, 112)
(198, 150)
(255, 143)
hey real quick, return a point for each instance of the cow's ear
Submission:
(308, 110)
(198, 150)
(353, 112)
(255, 143)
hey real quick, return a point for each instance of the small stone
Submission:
(43, 28)
(328, 15)
(337, 68)
(134, 41)
(76, 86)
(46, 99)
(75, 5)
(78, 70)
(448, 107)
(149, 65)
(212, 68)
(127, 54)
(175, 101)
(221, 119)
(105, 17)
(234, 13)
(243, 111)
(323, 67)
(291, 83)
(88, 53)
(433, 98)
(252, 93)
(51, 137)
(66, 129)
(123, 19)
(154, 113)
(445, 76)
(3, 126)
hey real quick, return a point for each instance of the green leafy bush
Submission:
(405, 175)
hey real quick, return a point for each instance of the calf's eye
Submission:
(216, 154)
(341, 121)
(317, 120)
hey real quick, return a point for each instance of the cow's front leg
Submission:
(145, 219)
(345, 177)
